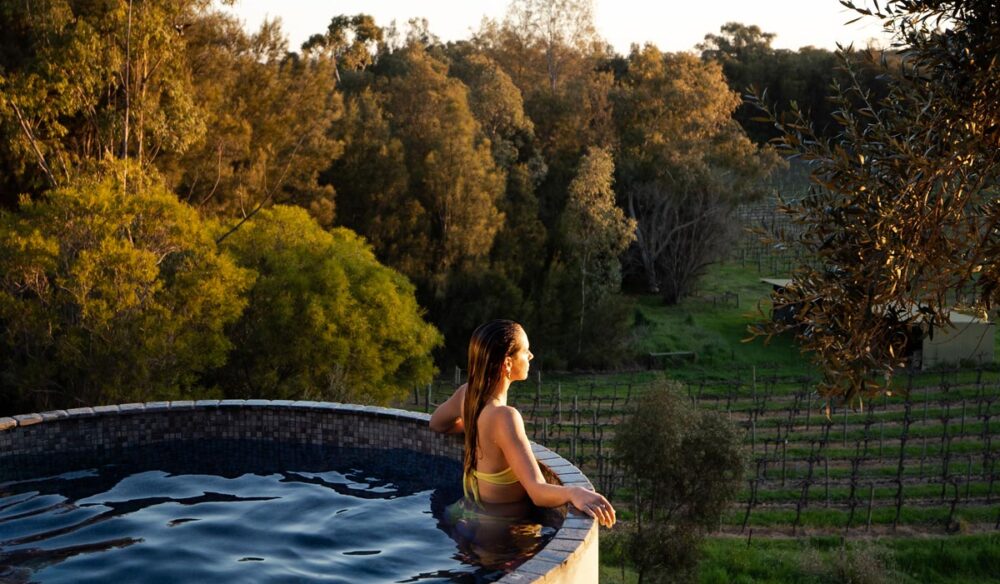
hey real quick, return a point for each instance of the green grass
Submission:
(913, 450)
(932, 468)
(840, 493)
(836, 518)
(826, 560)
(716, 332)
(960, 559)
(917, 431)
(950, 560)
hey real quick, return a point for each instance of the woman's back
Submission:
(496, 482)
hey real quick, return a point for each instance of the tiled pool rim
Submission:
(571, 555)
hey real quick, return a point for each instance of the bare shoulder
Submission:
(506, 416)
(500, 413)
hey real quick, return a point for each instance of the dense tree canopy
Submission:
(271, 115)
(503, 176)
(803, 77)
(325, 320)
(81, 81)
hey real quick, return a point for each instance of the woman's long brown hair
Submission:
(490, 344)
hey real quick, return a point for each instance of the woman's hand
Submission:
(593, 504)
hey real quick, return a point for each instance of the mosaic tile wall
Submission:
(101, 431)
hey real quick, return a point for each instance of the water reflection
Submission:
(498, 537)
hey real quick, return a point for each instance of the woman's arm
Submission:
(447, 418)
(513, 441)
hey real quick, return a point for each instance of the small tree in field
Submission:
(686, 465)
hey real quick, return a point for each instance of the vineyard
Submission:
(921, 461)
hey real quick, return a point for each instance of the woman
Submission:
(499, 467)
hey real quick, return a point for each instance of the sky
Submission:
(669, 24)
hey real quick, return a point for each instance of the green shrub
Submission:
(325, 320)
(110, 296)
(686, 466)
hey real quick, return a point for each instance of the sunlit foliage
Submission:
(325, 320)
(109, 296)
(684, 165)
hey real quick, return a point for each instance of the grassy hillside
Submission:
(713, 325)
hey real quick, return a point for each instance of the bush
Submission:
(325, 320)
(110, 296)
(686, 465)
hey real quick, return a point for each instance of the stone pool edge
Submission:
(570, 556)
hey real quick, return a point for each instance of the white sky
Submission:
(669, 24)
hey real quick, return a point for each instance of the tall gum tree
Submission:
(271, 114)
(596, 230)
(561, 29)
(86, 81)
(453, 184)
(684, 165)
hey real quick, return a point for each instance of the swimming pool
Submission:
(262, 513)
(166, 487)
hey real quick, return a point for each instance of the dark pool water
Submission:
(250, 512)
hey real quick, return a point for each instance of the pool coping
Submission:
(575, 538)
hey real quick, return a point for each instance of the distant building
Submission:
(968, 339)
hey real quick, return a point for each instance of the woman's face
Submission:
(519, 360)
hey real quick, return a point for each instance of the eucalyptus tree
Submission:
(433, 211)
(84, 81)
(596, 231)
(270, 116)
(561, 28)
(684, 165)
(352, 42)
(804, 76)
(517, 260)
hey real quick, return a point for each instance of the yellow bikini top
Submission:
(504, 477)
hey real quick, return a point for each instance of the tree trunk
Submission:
(645, 254)
(550, 62)
(583, 302)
